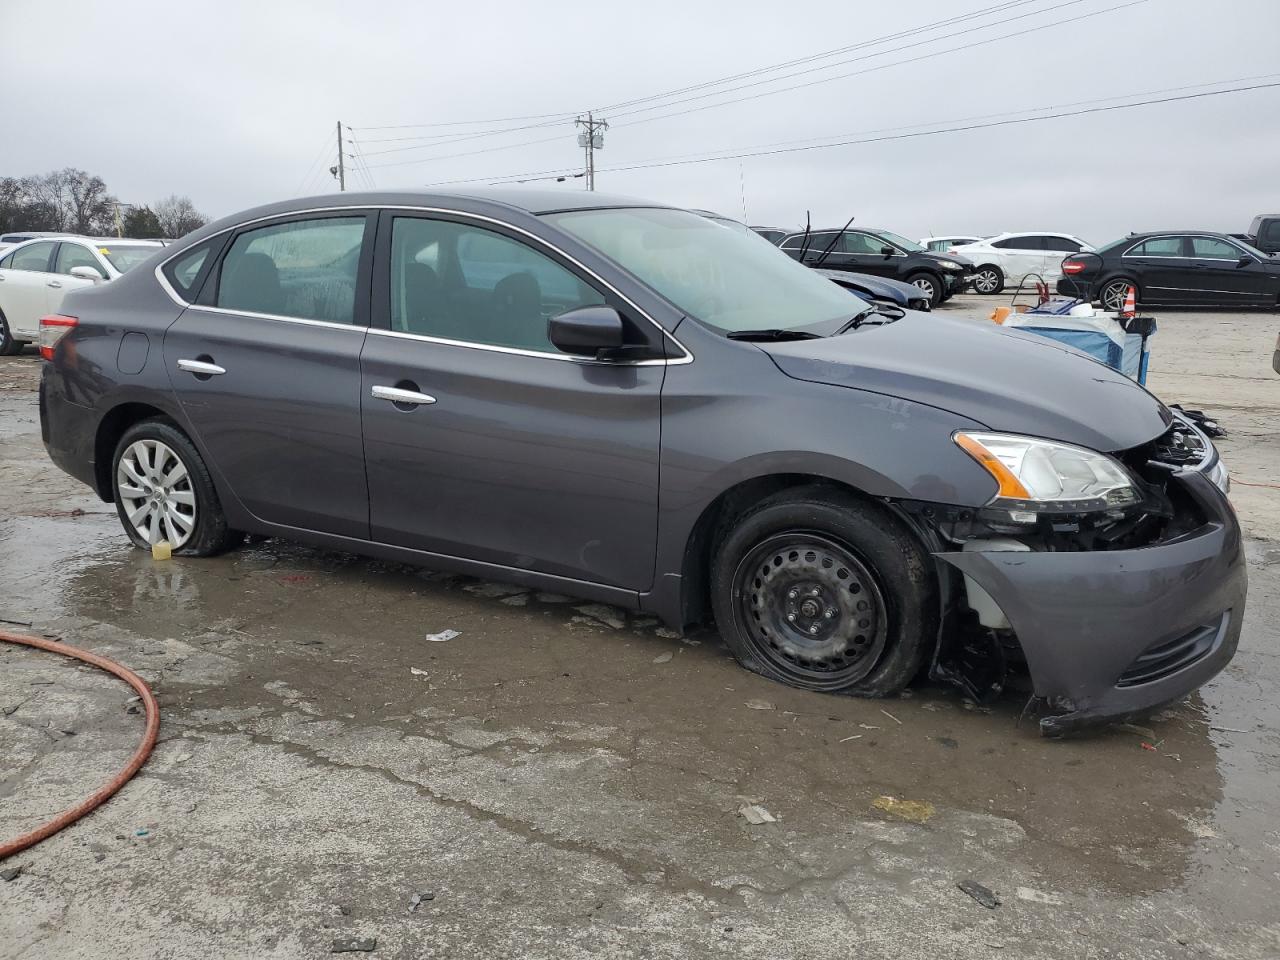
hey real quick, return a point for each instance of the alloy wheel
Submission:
(155, 488)
(1114, 294)
(927, 287)
(811, 608)
(986, 281)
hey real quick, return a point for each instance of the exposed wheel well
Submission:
(718, 518)
(110, 430)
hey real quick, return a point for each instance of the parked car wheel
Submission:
(819, 590)
(988, 279)
(163, 492)
(1115, 292)
(8, 345)
(929, 284)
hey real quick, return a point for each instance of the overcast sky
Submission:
(234, 103)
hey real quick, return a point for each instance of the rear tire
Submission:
(8, 345)
(163, 491)
(820, 590)
(1114, 291)
(988, 279)
(930, 284)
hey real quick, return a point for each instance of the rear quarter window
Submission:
(187, 271)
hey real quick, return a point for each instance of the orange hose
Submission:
(99, 796)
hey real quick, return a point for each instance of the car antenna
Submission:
(804, 247)
(833, 242)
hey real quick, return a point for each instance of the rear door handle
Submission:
(54, 283)
(396, 395)
(200, 368)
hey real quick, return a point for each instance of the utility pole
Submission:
(340, 171)
(591, 139)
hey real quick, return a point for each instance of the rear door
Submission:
(266, 365)
(510, 452)
(1020, 256)
(1219, 274)
(1161, 266)
(1056, 250)
(25, 286)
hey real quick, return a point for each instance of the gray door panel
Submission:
(282, 423)
(525, 461)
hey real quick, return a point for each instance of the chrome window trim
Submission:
(277, 316)
(1191, 236)
(687, 355)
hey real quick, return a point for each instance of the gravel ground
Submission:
(564, 779)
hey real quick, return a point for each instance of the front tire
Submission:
(930, 284)
(163, 492)
(819, 590)
(8, 345)
(989, 279)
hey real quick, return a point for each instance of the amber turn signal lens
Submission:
(1010, 486)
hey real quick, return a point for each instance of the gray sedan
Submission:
(630, 403)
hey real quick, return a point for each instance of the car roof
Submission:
(1178, 233)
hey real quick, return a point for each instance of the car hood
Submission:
(877, 286)
(1005, 379)
(954, 257)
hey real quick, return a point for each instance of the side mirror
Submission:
(888, 251)
(86, 273)
(586, 331)
(1244, 261)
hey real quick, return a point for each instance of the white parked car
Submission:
(35, 275)
(1009, 257)
(947, 244)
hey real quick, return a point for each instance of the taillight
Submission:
(1072, 267)
(52, 329)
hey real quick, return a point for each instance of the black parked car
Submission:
(884, 254)
(637, 405)
(1178, 267)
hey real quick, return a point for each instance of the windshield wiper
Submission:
(773, 335)
(858, 319)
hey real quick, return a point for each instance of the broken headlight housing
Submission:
(1036, 477)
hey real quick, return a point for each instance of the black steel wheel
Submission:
(818, 588)
(812, 609)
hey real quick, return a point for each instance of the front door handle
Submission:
(54, 283)
(200, 368)
(397, 395)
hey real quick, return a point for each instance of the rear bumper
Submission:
(67, 429)
(1110, 634)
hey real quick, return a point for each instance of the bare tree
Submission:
(178, 216)
(89, 208)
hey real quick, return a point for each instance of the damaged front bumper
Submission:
(1109, 634)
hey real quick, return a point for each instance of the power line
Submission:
(751, 152)
(910, 31)
(460, 123)
(883, 66)
(559, 118)
(822, 80)
(311, 168)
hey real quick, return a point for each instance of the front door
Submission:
(1217, 275)
(70, 255)
(865, 253)
(503, 450)
(267, 368)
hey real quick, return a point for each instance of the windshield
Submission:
(720, 273)
(902, 242)
(125, 258)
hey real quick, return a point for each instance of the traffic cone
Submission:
(1130, 307)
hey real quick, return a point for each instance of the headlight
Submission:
(1041, 476)
(949, 265)
(1220, 476)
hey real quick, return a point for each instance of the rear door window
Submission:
(1061, 245)
(72, 255)
(307, 269)
(34, 257)
(1158, 247)
(1020, 243)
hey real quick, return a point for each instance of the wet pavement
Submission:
(565, 779)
